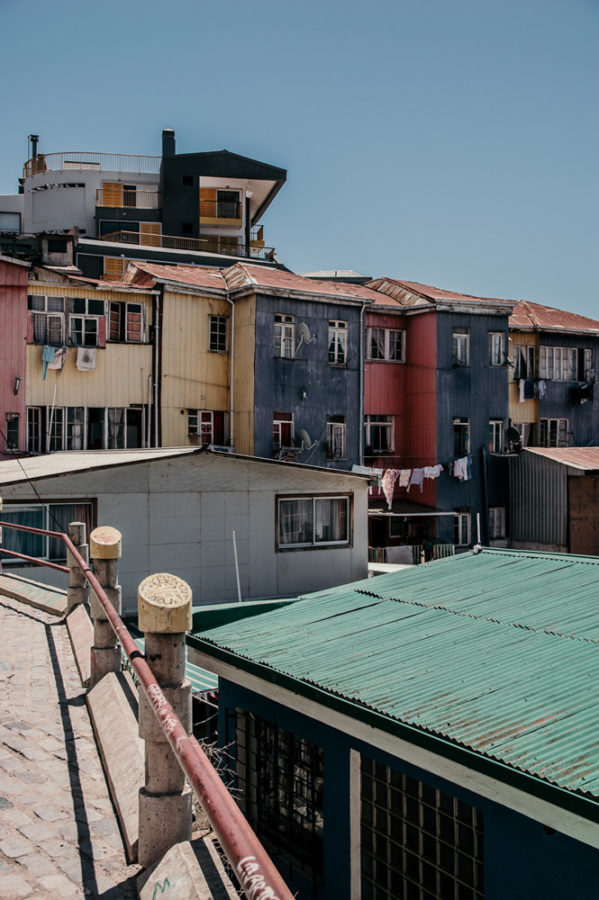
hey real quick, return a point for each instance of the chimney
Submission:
(34, 138)
(168, 142)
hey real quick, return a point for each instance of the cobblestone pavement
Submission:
(59, 837)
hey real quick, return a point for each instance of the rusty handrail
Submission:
(257, 874)
(35, 560)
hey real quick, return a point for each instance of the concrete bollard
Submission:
(78, 589)
(105, 552)
(165, 810)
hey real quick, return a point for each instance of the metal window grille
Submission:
(336, 440)
(416, 841)
(280, 787)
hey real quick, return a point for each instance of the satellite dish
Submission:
(306, 440)
(513, 435)
(305, 336)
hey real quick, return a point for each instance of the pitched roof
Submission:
(534, 316)
(494, 652)
(585, 458)
(146, 274)
(248, 275)
(414, 294)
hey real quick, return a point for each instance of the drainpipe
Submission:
(158, 295)
(361, 412)
(231, 375)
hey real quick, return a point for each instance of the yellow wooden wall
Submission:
(121, 374)
(193, 377)
(245, 351)
(529, 410)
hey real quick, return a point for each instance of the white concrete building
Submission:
(297, 528)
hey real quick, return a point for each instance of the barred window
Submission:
(416, 841)
(280, 787)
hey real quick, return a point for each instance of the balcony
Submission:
(102, 162)
(223, 245)
(127, 198)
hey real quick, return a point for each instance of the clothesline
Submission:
(460, 468)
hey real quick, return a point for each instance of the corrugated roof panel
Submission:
(494, 651)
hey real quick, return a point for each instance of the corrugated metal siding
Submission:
(13, 331)
(244, 374)
(538, 500)
(496, 652)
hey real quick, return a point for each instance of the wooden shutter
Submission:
(113, 268)
(149, 234)
(112, 193)
(207, 203)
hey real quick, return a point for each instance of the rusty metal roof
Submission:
(243, 275)
(495, 652)
(535, 317)
(415, 294)
(586, 458)
(143, 274)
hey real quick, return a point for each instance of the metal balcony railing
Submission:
(222, 245)
(82, 159)
(234, 833)
(129, 199)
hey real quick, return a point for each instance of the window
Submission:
(187, 180)
(337, 342)
(52, 516)
(385, 344)
(496, 348)
(525, 361)
(126, 322)
(284, 336)
(227, 204)
(379, 434)
(56, 429)
(526, 431)
(313, 521)
(496, 432)
(496, 522)
(12, 431)
(48, 320)
(34, 430)
(585, 364)
(130, 195)
(558, 363)
(553, 432)
(461, 346)
(108, 227)
(209, 426)
(461, 529)
(336, 437)
(461, 437)
(282, 431)
(218, 334)
(84, 331)
(416, 841)
(280, 790)
(75, 428)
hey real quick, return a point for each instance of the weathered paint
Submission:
(244, 374)
(538, 501)
(13, 332)
(583, 496)
(528, 411)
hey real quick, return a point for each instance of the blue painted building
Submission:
(426, 734)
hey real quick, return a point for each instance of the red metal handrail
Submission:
(257, 874)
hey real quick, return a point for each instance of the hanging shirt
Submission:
(432, 471)
(404, 477)
(388, 483)
(417, 478)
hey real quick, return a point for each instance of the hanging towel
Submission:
(432, 471)
(47, 358)
(521, 397)
(86, 359)
(460, 468)
(389, 479)
(417, 478)
(60, 354)
(404, 477)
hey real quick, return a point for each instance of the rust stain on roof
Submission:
(529, 315)
(586, 458)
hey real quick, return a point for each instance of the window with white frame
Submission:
(282, 430)
(208, 425)
(12, 431)
(525, 361)
(462, 529)
(553, 433)
(496, 436)
(218, 334)
(75, 437)
(558, 363)
(461, 437)
(337, 342)
(526, 430)
(336, 437)
(385, 344)
(461, 346)
(416, 840)
(50, 516)
(496, 522)
(84, 331)
(34, 429)
(496, 348)
(378, 434)
(313, 521)
(284, 336)
(126, 322)
(48, 319)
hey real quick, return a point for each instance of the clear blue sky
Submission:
(454, 143)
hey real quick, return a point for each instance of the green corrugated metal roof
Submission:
(495, 652)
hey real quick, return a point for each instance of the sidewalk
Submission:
(59, 837)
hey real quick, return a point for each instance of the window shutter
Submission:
(115, 322)
(30, 337)
(134, 323)
(112, 193)
(102, 331)
(149, 234)
(113, 268)
(208, 203)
